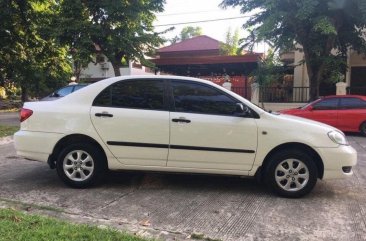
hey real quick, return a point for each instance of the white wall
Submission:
(354, 60)
(96, 70)
(136, 71)
(281, 106)
(357, 59)
(301, 77)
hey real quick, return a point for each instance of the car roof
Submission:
(112, 80)
(345, 96)
(175, 77)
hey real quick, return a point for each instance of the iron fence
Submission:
(242, 91)
(284, 94)
(276, 94)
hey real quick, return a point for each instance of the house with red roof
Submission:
(201, 57)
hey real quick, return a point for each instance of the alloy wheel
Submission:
(78, 165)
(291, 175)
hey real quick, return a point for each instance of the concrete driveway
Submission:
(180, 207)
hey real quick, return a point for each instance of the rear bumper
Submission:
(35, 145)
(335, 160)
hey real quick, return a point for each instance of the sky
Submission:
(183, 11)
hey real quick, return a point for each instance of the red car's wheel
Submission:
(363, 128)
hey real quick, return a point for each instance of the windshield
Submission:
(308, 104)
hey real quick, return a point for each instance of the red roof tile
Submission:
(248, 58)
(201, 42)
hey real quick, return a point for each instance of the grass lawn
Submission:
(8, 130)
(9, 110)
(17, 226)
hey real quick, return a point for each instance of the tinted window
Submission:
(135, 94)
(352, 103)
(326, 104)
(198, 98)
(64, 91)
(104, 98)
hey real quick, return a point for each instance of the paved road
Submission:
(9, 118)
(175, 206)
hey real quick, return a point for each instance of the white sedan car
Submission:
(178, 124)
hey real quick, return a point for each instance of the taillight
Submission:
(25, 114)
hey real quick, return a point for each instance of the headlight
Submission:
(338, 137)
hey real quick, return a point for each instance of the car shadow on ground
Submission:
(31, 176)
(148, 180)
(353, 134)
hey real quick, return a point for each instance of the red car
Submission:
(345, 112)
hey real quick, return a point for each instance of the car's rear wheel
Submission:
(291, 173)
(81, 165)
(363, 128)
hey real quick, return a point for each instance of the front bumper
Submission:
(35, 145)
(337, 161)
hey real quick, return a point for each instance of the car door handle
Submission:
(103, 114)
(181, 120)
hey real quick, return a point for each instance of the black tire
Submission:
(287, 181)
(81, 165)
(363, 128)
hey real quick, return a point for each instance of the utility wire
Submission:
(187, 13)
(201, 21)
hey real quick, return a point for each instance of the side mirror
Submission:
(310, 108)
(242, 110)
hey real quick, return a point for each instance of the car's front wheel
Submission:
(291, 173)
(363, 128)
(81, 165)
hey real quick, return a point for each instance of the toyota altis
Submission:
(178, 124)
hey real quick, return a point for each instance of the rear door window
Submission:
(352, 103)
(133, 94)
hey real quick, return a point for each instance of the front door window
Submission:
(201, 99)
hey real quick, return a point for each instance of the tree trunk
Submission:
(316, 65)
(77, 70)
(24, 93)
(314, 88)
(312, 74)
(116, 69)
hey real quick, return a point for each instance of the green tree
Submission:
(29, 56)
(74, 30)
(174, 40)
(231, 45)
(189, 32)
(122, 30)
(319, 26)
(186, 33)
(270, 72)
